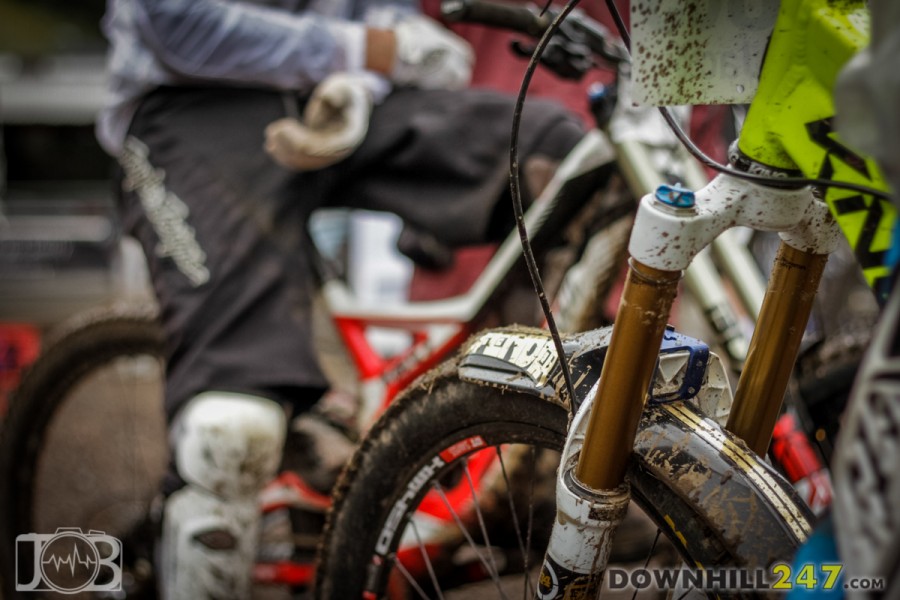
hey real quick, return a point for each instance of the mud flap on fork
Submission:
(525, 360)
(736, 504)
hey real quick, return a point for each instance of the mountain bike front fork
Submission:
(671, 227)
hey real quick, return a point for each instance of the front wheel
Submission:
(456, 483)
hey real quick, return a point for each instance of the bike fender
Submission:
(758, 514)
(526, 360)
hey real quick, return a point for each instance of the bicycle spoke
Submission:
(653, 546)
(533, 453)
(480, 516)
(688, 591)
(427, 559)
(515, 519)
(491, 571)
(649, 556)
(409, 578)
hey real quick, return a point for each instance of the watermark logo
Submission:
(68, 561)
(779, 577)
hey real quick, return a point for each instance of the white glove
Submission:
(430, 56)
(334, 124)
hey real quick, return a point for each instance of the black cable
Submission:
(762, 179)
(711, 163)
(620, 23)
(516, 193)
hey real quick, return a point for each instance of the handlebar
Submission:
(577, 30)
(522, 18)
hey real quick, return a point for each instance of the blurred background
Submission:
(62, 250)
(60, 245)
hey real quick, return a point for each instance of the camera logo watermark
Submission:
(68, 561)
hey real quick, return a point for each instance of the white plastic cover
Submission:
(699, 51)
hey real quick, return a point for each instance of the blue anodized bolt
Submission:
(675, 196)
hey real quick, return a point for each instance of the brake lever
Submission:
(567, 59)
(567, 54)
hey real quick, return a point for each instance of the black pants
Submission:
(222, 225)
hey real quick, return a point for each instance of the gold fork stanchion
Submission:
(774, 346)
(627, 372)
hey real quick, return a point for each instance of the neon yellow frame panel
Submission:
(790, 121)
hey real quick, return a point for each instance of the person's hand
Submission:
(334, 124)
(430, 56)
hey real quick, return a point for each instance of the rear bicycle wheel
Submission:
(84, 444)
(378, 543)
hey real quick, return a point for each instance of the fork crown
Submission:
(668, 239)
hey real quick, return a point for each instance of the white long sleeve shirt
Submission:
(277, 44)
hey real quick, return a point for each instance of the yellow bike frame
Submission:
(790, 123)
